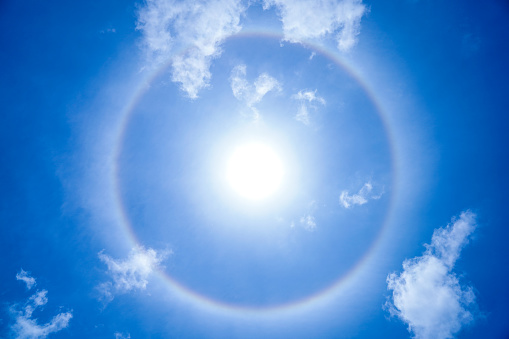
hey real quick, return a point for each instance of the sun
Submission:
(254, 171)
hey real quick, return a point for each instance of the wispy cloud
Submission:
(108, 30)
(131, 273)
(360, 198)
(427, 295)
(27, 327)
(25, 277)
(308, 222)
(251, 94)
(119, 335)
(304, 20)
(307, 100)
(189, 35)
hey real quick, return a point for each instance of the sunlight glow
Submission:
(254, 171)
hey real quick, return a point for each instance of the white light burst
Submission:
(254, 171)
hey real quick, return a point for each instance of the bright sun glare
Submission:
(254, 171)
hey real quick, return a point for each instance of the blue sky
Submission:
(247, 169)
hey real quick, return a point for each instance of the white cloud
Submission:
(362, 197)
(131, 273)
(303, 115)
(27, 327)
(263, 85)
(119, 335)
(189, 35)
(308, 20)
(251, 94)
(108, 30)
(427, 295)
(238, 82)
(309, 96)
(308, 222)
(24, 276)
(307, 100)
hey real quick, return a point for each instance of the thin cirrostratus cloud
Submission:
(131, 273)
(252, 94)
(25, 326)
(189, 34)
(360, 198)
(307, 100)
(427, 295)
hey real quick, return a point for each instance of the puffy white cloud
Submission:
(131, 273)
(24, 276)
(27, 327)
(427, 295)
(360, 198)
(119, 335)
(307, 100)
(36, 300)
(251, 94)
(308, 20)
(189, 35)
